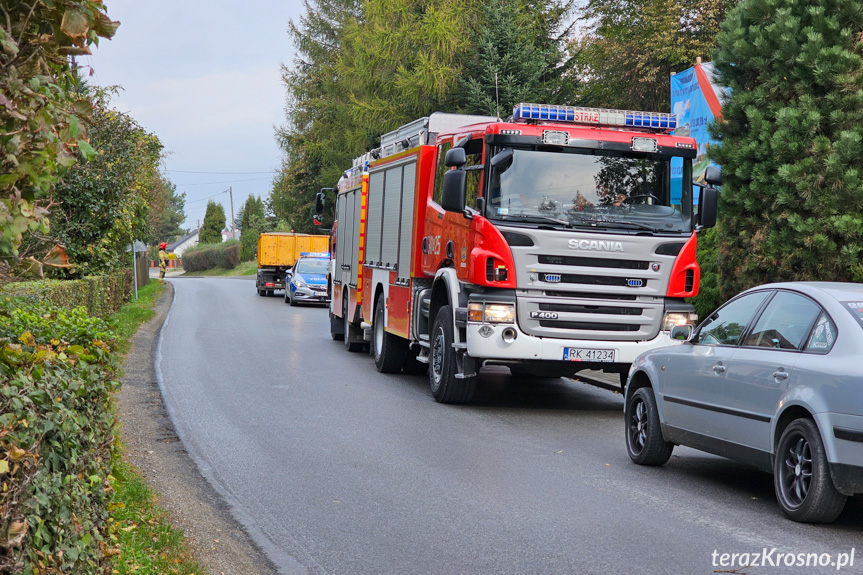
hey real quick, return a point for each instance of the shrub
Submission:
(709, 298)
(224, 255)
(57, 438)
(100, 295)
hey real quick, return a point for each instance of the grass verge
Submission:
(147, 542)
(140, 532)
(135, 313)
(244, 269)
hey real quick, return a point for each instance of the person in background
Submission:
(163, 261)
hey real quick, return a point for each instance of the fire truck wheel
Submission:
(445, 386)
(353, 340)
(388, 350)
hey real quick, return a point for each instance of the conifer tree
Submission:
(517, 57)
(214, 223)
(254, 222)
(790, 142)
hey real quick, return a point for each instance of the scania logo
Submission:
(552, 278)
(596, 245)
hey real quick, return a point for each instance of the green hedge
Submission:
(99, 295)
(208, 256)
(57, 438)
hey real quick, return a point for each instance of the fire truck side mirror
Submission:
(319, 200)
(453, 192)
(713, 176)
(707, 208)
(455, 158)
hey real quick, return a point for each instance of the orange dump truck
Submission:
(277, 252)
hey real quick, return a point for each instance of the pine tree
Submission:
(790, 142)
(254, 222)
(313, 137)
(518, 57)
(214, 223)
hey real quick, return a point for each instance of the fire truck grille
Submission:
(590, 318)
(597, 280)
(598, 309)
(588, 326)
(567, 291)
(569, 294)
(593, 262)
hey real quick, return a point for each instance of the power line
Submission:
(222, 182)
(220, 173)
(208, 198)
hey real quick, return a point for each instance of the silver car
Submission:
(773, 378)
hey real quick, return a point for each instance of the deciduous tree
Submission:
(40, 118)
(629, 48)
(103, 204)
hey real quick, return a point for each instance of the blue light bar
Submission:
(595, 116)
(314, 255)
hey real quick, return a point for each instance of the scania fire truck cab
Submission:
(550, 243)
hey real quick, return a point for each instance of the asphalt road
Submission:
(335, 468)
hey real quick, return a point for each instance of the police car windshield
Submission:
(588, 188)
(305, 266)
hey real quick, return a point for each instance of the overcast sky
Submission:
(203, 75)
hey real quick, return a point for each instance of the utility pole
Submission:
(231, 192)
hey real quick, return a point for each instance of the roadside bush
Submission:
(100, 295)
(225, 255)
(709, 298)
(57, 438)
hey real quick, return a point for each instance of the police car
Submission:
(306, 282)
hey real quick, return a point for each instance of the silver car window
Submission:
(727, 324)
(786, 322)
(856, 309)
(823, 335)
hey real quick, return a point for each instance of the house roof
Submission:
(182, 240)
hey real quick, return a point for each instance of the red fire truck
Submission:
(549, 243)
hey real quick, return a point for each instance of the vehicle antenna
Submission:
(496, 97)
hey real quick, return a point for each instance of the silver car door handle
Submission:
(719, 368)
(780, 374)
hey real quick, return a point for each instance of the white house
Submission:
(184, 243)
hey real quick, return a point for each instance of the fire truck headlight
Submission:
(491, 312)
(673, 318)
(499, 313)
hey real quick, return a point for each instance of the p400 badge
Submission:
(543, 315)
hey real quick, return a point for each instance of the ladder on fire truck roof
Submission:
(419, 133)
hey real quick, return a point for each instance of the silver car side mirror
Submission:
(681, 332)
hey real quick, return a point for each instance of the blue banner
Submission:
(696, 101)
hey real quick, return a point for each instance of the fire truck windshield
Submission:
(594, 188)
